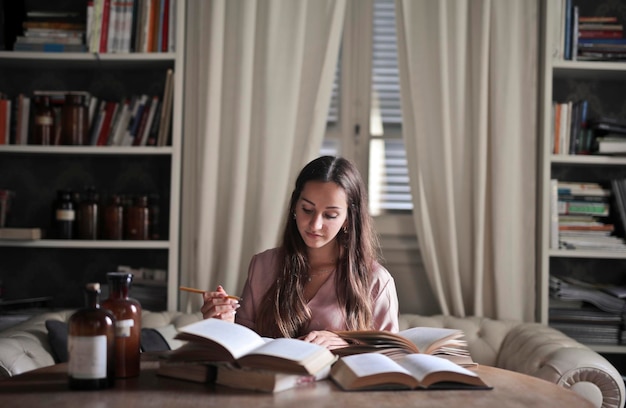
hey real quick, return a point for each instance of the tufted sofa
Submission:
(528, 348)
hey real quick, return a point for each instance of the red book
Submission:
(109, 112)
(5, 118)
(600, 34)
(104, 33)
(165, 25)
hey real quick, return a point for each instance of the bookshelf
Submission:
(600, 83)
(59, 268)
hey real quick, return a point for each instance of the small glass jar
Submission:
(64, 215)
(74, 120)
(137, 222)
(43, 122)
(88, 215)
(113, 218)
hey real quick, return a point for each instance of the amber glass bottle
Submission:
(64, 215)
(137, 222)
(43, 126)
(113, 221)
(91, 344)
(88, 217)
(127, 312)
(74, 120)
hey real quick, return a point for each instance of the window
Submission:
(367, 76)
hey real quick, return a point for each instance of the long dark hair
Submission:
(284, 311)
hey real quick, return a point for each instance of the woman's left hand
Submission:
(325, 338)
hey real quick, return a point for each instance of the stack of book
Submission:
(610, 136)
(600, 39)
(581, 217)
(586, 312)
(232, 355)
(589, 38)
(52, 31)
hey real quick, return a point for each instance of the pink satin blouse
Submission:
(326, 312)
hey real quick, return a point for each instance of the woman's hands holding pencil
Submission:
(217, 304)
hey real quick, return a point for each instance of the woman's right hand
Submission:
(218, 305)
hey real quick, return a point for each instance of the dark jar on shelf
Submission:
(91, 344)
(137, 222)
(113, 218)
(64, 215)
(127, 312)
(154, 215)
(74, 120)
(88, 215)
(43, 122)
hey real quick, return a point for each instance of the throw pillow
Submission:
(57, 338)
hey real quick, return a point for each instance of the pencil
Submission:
(194, 290)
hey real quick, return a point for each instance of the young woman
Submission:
(325, 276)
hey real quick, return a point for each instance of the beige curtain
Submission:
(468, 72)
(258, 81)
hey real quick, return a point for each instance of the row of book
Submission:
(106, 26)
(573, 132)
(233, 355)
(589, 313)
(582, 217)
(589, 38)
(138, 120)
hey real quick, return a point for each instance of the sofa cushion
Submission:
(57, 339)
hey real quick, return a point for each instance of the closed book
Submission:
(264, 380)
(20, 233)
(188, 371)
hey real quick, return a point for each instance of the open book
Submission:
(371, 371)
(264, 380)
(437, 341)
(214, 340)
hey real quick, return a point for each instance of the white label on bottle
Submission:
(122, 327)
(65, 215)
(44, 120)
(87, 357)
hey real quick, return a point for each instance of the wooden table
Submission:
(48, 387)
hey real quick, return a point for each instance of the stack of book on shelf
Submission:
(610, 136)
(235, 356)
(580, 217)
(587, 312)
(600, 39)
(589, 38)
(52, 31)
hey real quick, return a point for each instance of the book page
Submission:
(237, 339)
(428, 339)
(428, 369)
(368, 364)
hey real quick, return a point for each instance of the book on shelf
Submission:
(166, 109)
(26, 234)
(213, 340)
(567, 288)
(264, 380)
(374, 371)
(439, 341)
